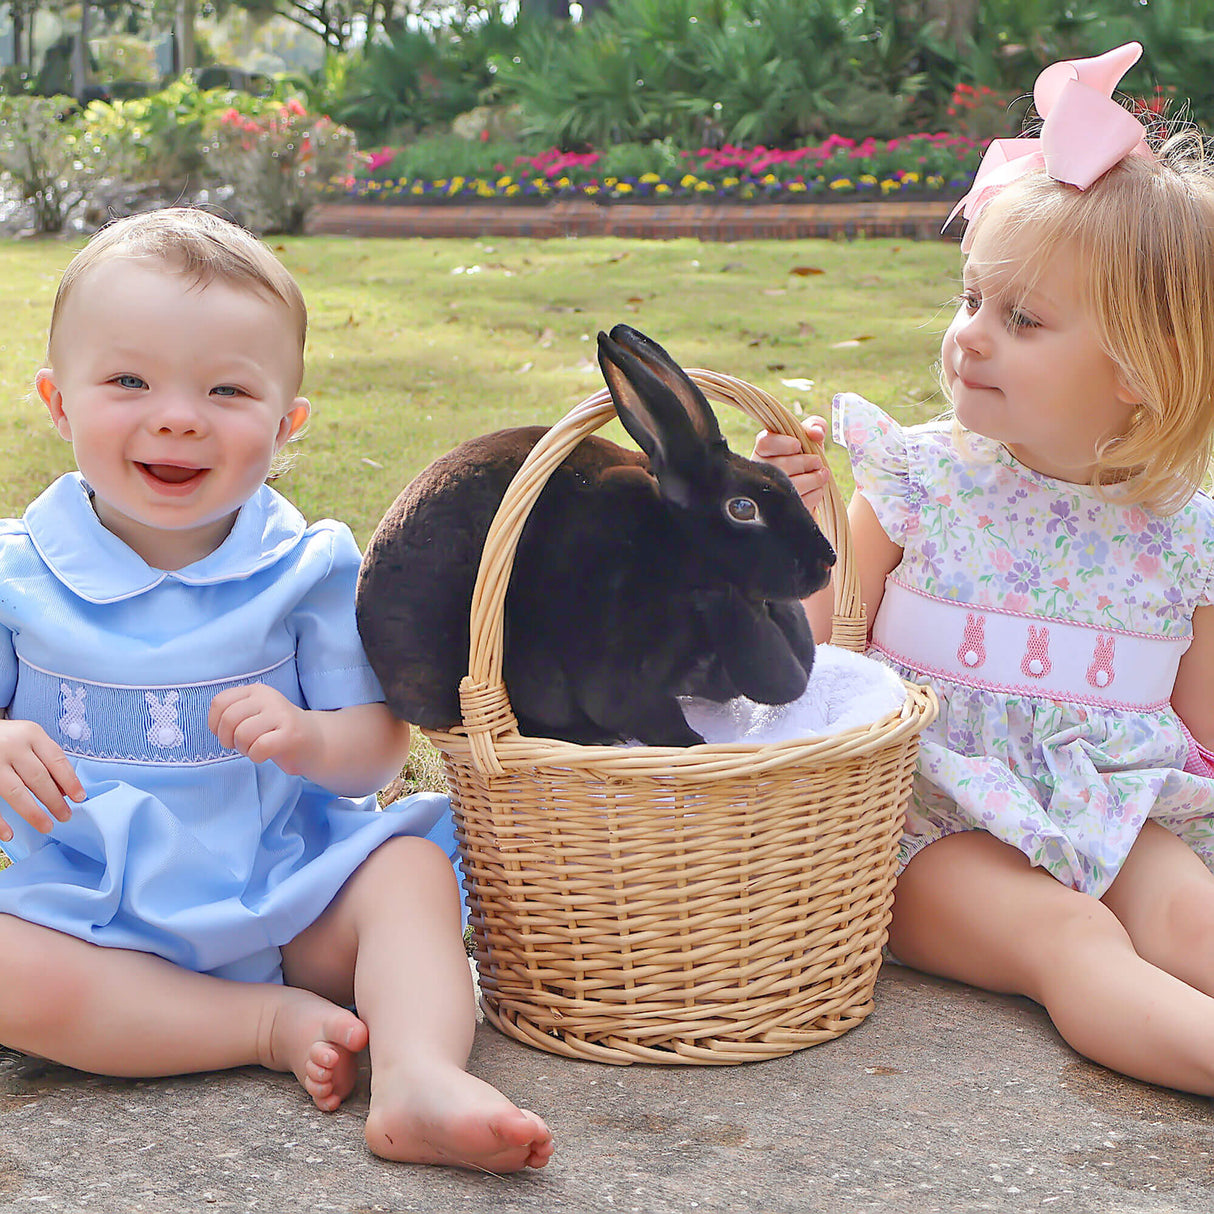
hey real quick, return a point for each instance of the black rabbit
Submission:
(636, 579)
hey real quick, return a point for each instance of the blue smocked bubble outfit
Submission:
(183, 848)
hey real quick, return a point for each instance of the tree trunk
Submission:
(81, 76)
(952, 21)
(183, 35)
(544, 10)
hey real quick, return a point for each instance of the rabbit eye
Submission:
(742, 510)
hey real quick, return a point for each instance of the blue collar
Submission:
(96, 565)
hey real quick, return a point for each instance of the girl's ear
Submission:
(294, 419)
(52, 398)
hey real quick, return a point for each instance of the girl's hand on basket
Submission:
(35, 773)
(808, 473)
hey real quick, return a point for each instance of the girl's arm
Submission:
(876, 554)
(350, 751)
(1193, 693)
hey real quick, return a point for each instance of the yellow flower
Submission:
(503, 182)
(910, 177)
(661, 188)
(649, 178)
(867, 179)
(729, 182)
(704, 186)
(417, 188)
(624, 187)
(797, 187)
(768, 179)
(888, 185)
(840, 183)
(689, 181)
(512, 189)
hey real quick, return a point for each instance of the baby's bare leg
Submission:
(973, 909)
(118, 1012)
(391, 941)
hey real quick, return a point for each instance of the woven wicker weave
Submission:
(708, 904)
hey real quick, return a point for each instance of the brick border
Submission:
(761, 221)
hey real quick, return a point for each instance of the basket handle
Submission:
(484, 703)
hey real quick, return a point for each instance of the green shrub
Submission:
(277, 162)
(53, 156)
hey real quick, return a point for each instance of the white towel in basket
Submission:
(845, 690)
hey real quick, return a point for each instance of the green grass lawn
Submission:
(417, 344)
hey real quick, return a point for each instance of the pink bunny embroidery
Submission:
(972, 650)
(1100, 670)
(1036, 661)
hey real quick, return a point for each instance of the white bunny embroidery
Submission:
(72, 721)
(165, 731)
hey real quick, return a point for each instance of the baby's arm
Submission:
(350, 751)
(1193, 693)
(33, 768)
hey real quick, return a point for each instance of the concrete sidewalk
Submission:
(945, 1099)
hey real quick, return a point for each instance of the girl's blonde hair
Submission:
(202, 246)
(1142, 238)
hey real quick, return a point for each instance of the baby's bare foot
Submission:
(444, 1115)
(318, 1041)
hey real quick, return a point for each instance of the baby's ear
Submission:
(294, 419)
(52, 398)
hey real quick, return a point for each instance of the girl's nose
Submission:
(969, 332)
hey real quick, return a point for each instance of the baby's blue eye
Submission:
(130, 381)
(225, 390)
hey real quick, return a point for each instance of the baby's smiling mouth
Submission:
(172, 474)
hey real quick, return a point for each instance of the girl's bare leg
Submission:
(391, 943)
(973, 909)
(117, 1012)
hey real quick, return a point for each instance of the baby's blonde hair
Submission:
(193, 242)
(1142, 239)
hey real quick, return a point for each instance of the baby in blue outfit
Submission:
(200, 876)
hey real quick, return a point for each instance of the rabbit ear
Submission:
(659, 405)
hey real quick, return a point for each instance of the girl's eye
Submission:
(225, 390)
(971, 301)
(1020, 320)
(130, 381)
(742, 510)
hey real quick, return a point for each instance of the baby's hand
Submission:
(33, 769)
(262, 724)
(808, 473)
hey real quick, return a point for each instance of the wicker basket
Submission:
(708, 904)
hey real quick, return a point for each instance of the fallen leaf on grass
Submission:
(851, 341)
(799, 385)
(371, 463)
(806, 271)
(547, 337)
(525, 367)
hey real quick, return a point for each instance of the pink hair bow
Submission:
(1084, 132)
